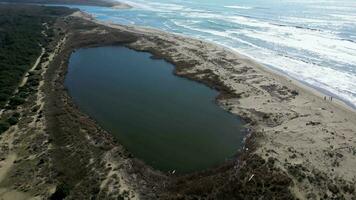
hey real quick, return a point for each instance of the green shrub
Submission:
(61, 192)
(4, 97)
(16, 114)
(12, 120)
(4, 126)
(15, 101)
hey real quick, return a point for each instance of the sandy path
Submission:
(6, 165)
(7, 194)
(9, 136)
(25, 78)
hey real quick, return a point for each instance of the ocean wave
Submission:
(326, 46)
(323, 45)
(160, 7)
(348, 18)
(339, 83)
(338, 8)
(136, 4)
(239, 7)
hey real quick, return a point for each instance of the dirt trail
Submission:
(6, 165)
(7, 194)
(8, 139)
(24, 80)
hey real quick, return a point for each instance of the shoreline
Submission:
(312, 89)
(303, 85)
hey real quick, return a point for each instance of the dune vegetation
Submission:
(22, 33)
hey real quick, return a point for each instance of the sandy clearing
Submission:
(6, 165)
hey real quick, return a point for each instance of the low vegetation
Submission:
(21, 37)
(9, 121)
(24, 30)
(4, 125)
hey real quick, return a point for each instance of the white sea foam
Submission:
(327, 47)
(348, 18)
(339, 83)
(154, 6)
(339, 8)
(306, 20)
(324, 44)
(239, 7)
(136, 4)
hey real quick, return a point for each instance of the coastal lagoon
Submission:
(301, 39)
(169, 122)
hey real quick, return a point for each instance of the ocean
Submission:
(313, 42)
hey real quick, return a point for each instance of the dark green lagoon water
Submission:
(169, 122)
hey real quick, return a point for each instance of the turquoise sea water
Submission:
(170, 122)
(311, 41)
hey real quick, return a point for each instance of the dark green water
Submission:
(169, 122)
